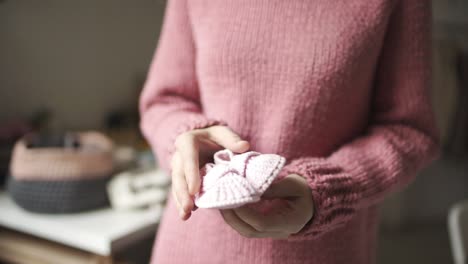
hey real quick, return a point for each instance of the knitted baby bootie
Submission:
(236, 180)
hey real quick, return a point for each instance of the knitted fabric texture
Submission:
(93, 159)
(138, 189)
(57, 197)
(338, 88)
(236, 180)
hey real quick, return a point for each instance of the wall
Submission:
(78, 58)
(96, 51)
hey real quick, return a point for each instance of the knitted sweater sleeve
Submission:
(170, 103)
(401, 137)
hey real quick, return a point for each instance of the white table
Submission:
(101, 232)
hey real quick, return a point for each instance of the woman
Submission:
(339, 88)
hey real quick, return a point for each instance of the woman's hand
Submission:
(194, 148)
(282, 220)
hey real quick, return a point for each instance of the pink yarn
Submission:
(236, 180)
(91, 160)
(338, 88)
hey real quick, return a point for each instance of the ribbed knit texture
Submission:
(92, 160)
(339, 88)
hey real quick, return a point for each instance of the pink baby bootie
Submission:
(236, 180)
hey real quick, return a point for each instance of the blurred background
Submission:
(80, 65)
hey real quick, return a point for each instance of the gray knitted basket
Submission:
(54, 197)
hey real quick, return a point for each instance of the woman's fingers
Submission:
(272, 222)
(182, 213)
(186, 160)
(288, 216)
(244, 229)
(226, 138)
(292, 187)
(289, 187)
(241, 227)
(187, 146)
(179, 187)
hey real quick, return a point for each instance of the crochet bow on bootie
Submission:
(234, 180)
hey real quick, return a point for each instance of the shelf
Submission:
(101, 231)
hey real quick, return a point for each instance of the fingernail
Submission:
(191, 188)
(181, 213)
(245, 142)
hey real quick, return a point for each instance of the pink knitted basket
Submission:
(93, 159)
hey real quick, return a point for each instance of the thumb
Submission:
(226, 138)
(289, 187)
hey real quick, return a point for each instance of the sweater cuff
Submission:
(327, 207)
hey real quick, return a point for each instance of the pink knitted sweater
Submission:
(339, 88)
